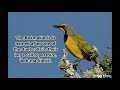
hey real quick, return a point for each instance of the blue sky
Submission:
(95, 27)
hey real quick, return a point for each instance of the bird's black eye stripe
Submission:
(62, 26)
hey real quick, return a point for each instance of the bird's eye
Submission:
(63, 25)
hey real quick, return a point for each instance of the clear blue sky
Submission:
(95, 27)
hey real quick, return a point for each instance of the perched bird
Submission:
(76, 44)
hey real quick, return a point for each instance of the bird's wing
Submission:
(83, 45)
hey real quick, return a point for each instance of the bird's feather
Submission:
(83, 46)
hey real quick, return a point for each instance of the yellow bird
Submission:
(76, 44)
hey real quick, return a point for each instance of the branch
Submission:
(102, 69)
(66, 67)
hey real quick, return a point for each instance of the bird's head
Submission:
(61, 27)
(66, 28)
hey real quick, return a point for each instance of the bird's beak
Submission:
(60, 27)
(56, 26)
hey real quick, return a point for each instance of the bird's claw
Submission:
(75, 64)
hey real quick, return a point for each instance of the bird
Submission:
(76, 44)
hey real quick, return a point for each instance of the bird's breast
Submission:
(71, 45)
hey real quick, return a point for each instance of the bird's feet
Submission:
(75, 64)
